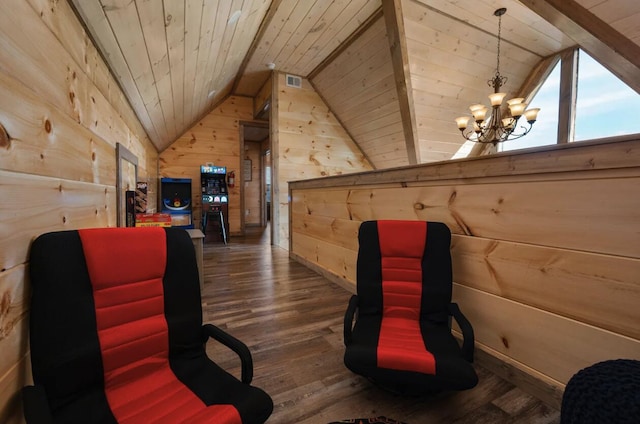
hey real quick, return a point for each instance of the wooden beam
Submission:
(394, 21)
(613, 50)
(568, 95)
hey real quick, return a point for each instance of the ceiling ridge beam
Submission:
(613, 50)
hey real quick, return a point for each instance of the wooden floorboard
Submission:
(291, 319)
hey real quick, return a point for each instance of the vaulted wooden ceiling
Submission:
(175, 60)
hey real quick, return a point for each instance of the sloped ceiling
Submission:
(175, 60)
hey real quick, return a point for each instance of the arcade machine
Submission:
(176, 201)
(215, 198)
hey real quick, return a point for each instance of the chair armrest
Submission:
(35, 405)
(348, 318)
(210, 330)
(468, 340)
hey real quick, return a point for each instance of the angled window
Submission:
(605, 107)
(545, 130)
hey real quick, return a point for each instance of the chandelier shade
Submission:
(497, 124)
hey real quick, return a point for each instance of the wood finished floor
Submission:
(291, 319)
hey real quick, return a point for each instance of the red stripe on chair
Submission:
(400, 344)
(126, 267)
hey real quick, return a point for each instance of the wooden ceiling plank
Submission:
(174, 15)
(206, 30)
(303, 31)
(361, 123)
(245, 82)
(629, 27)
(271, 36)
(340, 34)
(476, 50)
(366, 98)
(245, 31)
(98, 28)
(193, 22)
(271, 33)
(125, 23)
(519, 26)
(613, 11)
(219, 39)
(317, 32)
(374, 69)
(375, 104)
(363, 45)
(152, 23)
(286, 34)
(243, 41)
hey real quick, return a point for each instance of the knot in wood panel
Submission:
(5, 140)
(505, 342)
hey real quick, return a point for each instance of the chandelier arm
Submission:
(517, 136)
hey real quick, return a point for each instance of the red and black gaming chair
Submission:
(402, 338)
(117, 334)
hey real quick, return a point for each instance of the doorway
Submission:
(255, 141)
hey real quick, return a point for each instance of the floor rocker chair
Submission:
(117, 337)
(402, 338)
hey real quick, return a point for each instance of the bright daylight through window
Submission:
(606, 107)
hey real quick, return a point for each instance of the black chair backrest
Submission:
(65, 348)
(428, 243)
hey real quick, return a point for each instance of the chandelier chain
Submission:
(499, 37)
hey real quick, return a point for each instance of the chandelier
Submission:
(500, 125)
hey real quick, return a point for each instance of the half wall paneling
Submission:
(546, 247)
(64, 115)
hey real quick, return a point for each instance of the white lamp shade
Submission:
(515, 101)
(476, 107)
(496, 98)
(517, 109)
(479, 114)
(462, 122)
(531, 114)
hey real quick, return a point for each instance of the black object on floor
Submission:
(606, 392)
(376, 420)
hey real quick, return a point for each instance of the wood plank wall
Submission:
(215, 139)
(253, 200)
(307, 141)
(64, 114)
(359, 86)
(546, 246)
